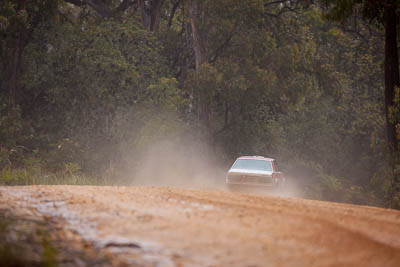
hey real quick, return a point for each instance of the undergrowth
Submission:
(23, 176)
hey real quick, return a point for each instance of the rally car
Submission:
(255, 171)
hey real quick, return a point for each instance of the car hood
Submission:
(245, 171)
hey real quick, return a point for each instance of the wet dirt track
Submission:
(159, 226)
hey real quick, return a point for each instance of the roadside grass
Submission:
(24, 176)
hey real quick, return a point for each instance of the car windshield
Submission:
(253, 164)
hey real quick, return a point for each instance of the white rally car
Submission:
(254, 171)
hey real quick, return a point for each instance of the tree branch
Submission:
(222, 47)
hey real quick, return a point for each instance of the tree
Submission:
(105, 88)
(385, 14)
(18, 20)
(196, 15)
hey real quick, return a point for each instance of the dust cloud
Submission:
(292, 188)
(178, 163)
(187, 163)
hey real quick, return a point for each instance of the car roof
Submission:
(255, 157)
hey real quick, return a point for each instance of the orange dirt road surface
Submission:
(160, 226)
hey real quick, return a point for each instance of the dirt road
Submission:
(153, 226)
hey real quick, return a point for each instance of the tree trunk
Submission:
(201, 57)
(16, 63)
(195, 12)
(391, 70)
(150, 11)
(15, 70)
(155, 14)
(391, 76)
(145, 16)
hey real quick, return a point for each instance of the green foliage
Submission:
(394, 110)
(14, 131)
(105, 74)
(15, 177)
(49, 252)
(69, 176)
(371, 10)
(340, 9)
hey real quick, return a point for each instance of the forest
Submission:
(94, 90)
